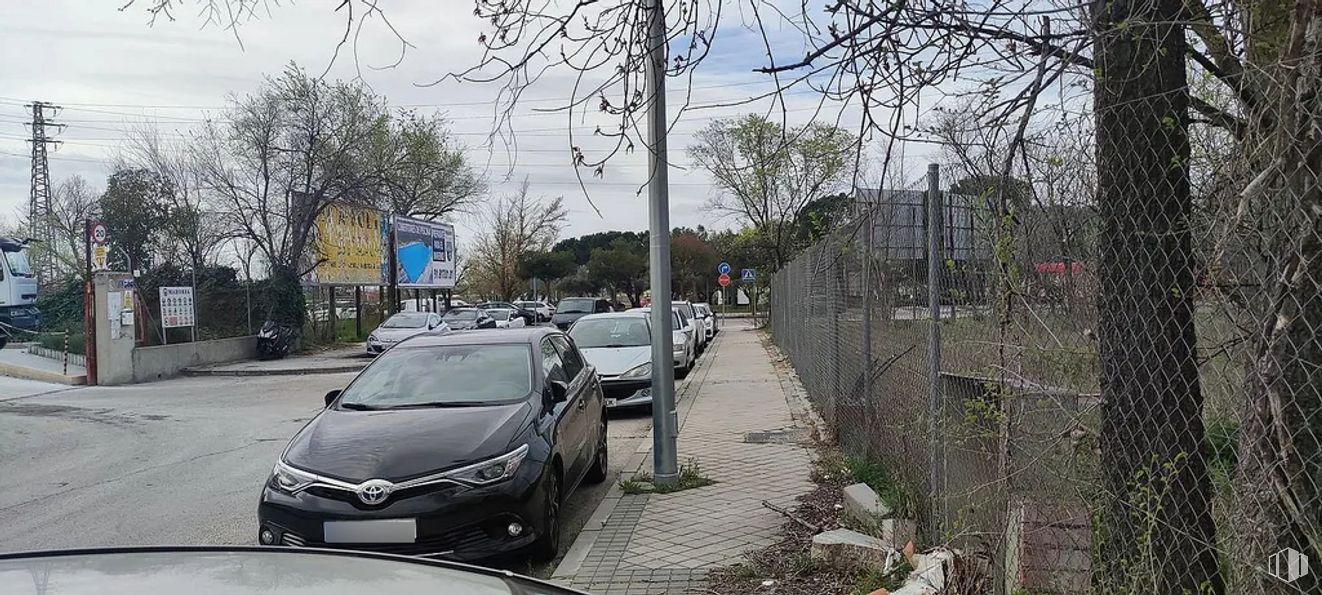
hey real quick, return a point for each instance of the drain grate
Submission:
(775, 436)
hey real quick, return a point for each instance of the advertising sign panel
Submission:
(176, 307)
(349, 246)
(424, 253)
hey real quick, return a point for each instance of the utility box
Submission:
(114, 314)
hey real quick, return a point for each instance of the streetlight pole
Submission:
(665, 467)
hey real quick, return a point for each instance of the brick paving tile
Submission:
(665, 543)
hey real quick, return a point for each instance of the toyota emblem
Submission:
(375, 491)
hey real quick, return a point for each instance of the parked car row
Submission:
(619, 344)
(463, 443)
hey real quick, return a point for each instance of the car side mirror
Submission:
(559, 391)
(331, 396)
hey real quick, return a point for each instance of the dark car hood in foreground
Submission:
(249, 571)
(405, 443)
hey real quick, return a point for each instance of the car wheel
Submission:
(599, 470)
(548, 545)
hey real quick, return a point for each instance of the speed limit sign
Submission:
(99, 233)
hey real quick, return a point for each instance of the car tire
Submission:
(547, 545)
(601, 461)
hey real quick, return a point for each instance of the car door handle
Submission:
(582, 402)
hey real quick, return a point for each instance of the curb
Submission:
(276, 372)
(26, 373)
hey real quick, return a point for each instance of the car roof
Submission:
(529, 334)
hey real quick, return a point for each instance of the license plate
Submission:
(378, 531)
(610, 402)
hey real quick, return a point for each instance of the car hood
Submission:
(567, 317)
(395, 335)
(613, 361)
(397, 445)
(218, 570)
(461, 324)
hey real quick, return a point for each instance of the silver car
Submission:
(707, 317)
(686, 330)
(402, 326)
(619, 346)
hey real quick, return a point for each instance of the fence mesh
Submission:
(1094, 393)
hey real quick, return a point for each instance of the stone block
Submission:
(843, 548)
(863, 506)
(897, 532)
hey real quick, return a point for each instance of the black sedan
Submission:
(459, 319)
(460, 446)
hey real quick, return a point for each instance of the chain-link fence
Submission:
(1116, 399)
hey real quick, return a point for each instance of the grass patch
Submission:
(894, 494)
(690, 476)
(1222, 438)
(874, 579)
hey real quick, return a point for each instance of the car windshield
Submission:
(406, 320)
(461, 315)
(501, 315)
(611, 332)
(576, 306)
(18, 263)
(443, 375)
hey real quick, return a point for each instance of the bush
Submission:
(62, 306)
(77, 341)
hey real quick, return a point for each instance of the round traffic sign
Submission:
(724, 280)
(99, 233)
(723, 268)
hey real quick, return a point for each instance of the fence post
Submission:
(358, 311)
(934, 263)
(867, 318)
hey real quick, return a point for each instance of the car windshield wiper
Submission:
(431, 404)
(358, 407)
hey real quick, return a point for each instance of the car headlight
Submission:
(640, 371)
(491, 470)
(372, 338)
(290, 480)
(679, 343)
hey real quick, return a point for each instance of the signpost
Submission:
(724, 280)
(723, 268)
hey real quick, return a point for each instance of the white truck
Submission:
(18, 289)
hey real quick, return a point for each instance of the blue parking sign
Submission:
(747, 275)
(723, 268)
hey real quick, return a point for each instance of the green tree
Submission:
(622, 267)
(132, 207)
(549, 267)
(582, 247)
(424, 171)
(768, 174)
(692, 265)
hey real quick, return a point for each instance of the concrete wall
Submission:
(165, 361)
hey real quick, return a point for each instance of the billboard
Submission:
(348, 246)
(424, 254)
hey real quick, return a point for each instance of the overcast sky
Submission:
(111, 71)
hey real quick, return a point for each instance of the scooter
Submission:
(275, 340)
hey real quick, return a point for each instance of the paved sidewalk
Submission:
(665, 543)
(333, 361)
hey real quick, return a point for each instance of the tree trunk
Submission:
(1279, 480)
(1156, 533)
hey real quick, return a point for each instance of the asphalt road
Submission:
(174, 462)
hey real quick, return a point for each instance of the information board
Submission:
(176, 307)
